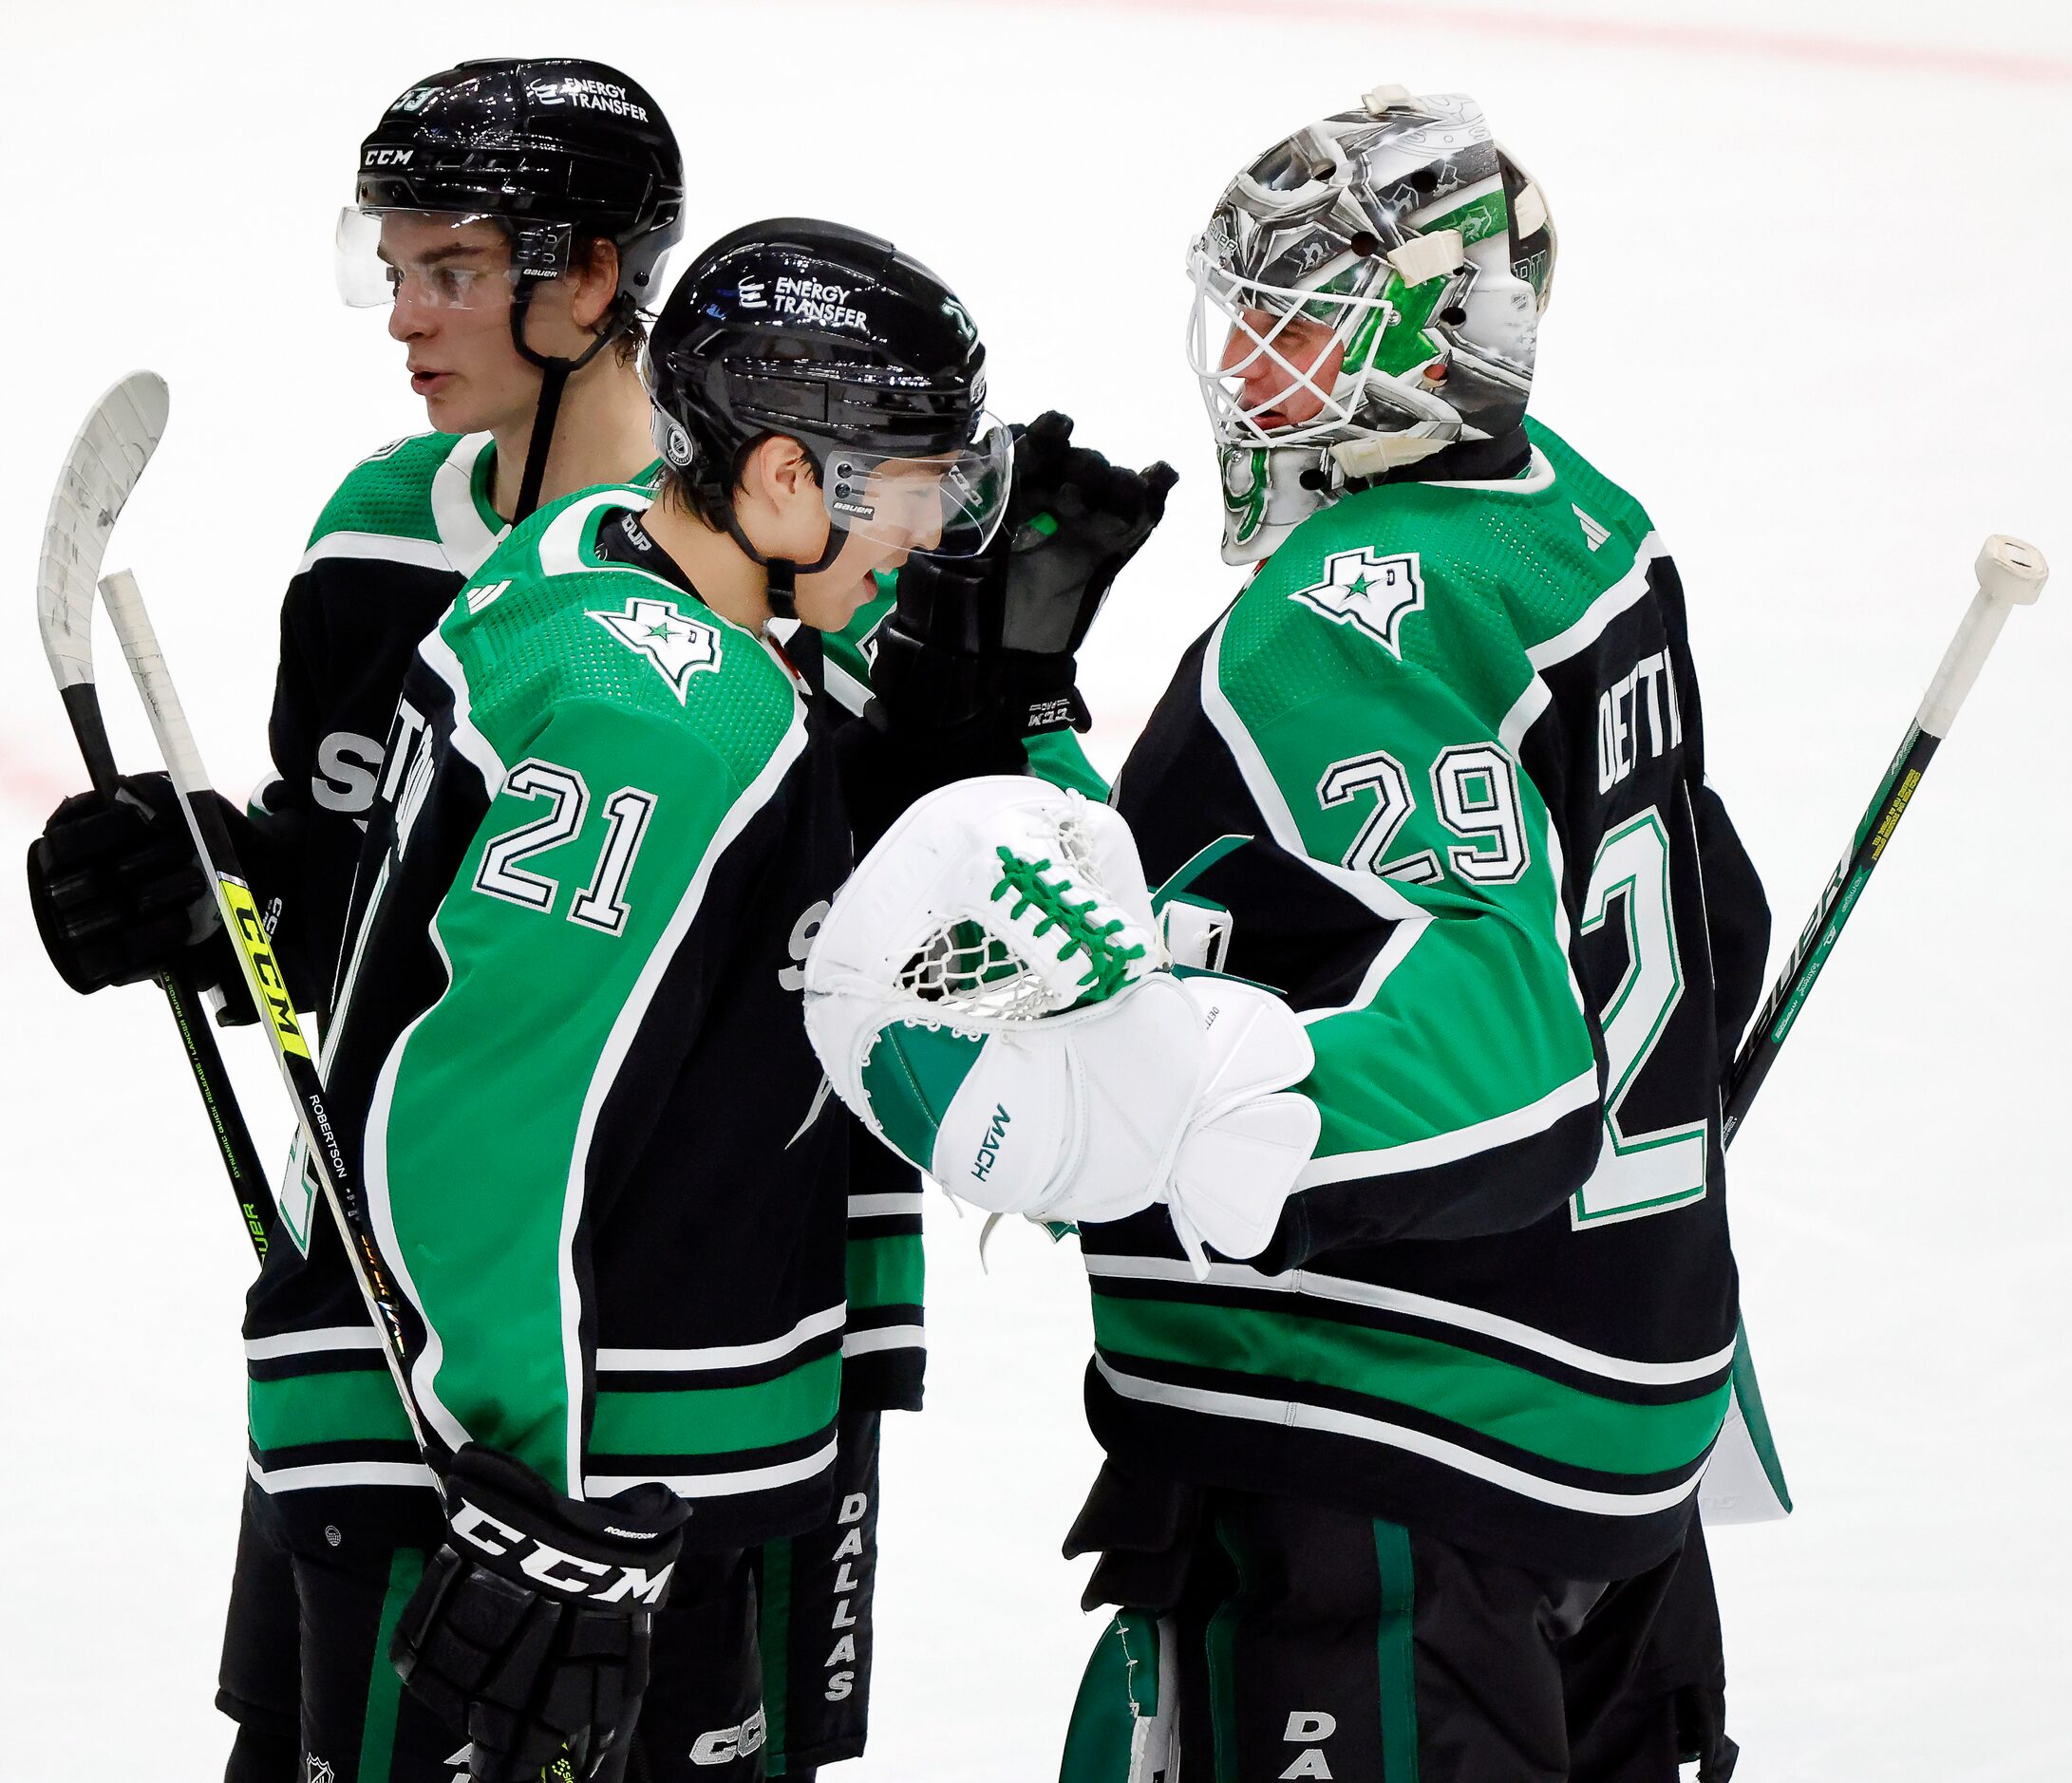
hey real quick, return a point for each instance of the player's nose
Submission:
(408, 320)
(1241, 355)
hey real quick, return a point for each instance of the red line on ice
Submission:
(29, 783)
(1859, 53)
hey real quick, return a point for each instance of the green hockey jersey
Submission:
(391, 550)
(1438, 776)
(567, 1051)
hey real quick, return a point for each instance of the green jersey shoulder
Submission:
(422, 501)
(548, 620)
(1461, 580)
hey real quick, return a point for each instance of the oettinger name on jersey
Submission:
(1371, 592)
(677, 645)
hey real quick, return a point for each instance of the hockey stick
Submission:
(1745, 1481)
(114, 444)
(2011, 574)
(125, 602)
(341, 1189)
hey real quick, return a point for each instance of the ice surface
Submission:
(1810, 307)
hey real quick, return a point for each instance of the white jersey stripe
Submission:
(421, 553)
(463, 536)
(297, 1479)
(890, 1337)
(1312, 1285)
(316, 1342)
(754, 1479)
(1297, 1415)
(842, 687)
(884, 1206)
(722, 1356)
(1446, 1148)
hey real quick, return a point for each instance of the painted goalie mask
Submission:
(1367, 294)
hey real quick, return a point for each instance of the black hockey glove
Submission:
(995, 635)
(530, 1632)
(939, 647)
(120, 895)
(1073, 521)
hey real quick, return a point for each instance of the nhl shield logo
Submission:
(678, 648)
(1370, 593)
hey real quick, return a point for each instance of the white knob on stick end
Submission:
(2011, 570)
(2011, 574)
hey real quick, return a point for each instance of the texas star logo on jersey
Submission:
(678, 648)
(1370, 593)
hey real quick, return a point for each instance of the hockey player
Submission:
(598, 1161)
(469, 171)
(512, 218)
(1406, 1488)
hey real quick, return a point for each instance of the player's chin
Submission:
(833, 605)
(450, 410)
(443, 415)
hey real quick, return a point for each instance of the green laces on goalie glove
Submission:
(1108, 963)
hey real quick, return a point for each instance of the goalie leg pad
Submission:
(1121, 1729)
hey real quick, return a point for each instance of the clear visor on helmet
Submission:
(1277, 363)
(945, 502)
(439, 260)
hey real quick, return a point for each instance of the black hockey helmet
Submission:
(831, 337)
(556, 150)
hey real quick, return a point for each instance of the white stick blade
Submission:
(114, 444)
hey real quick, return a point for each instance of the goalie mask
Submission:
(1367, 294)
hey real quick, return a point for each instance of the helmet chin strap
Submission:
(555, 375)
(784, 573)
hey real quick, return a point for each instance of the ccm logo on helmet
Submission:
(566, 1573)
(387, 157)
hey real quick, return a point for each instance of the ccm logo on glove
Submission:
(536, 1560)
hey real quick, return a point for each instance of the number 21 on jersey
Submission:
(601, 904)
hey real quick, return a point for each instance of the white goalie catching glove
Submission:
(988, 996)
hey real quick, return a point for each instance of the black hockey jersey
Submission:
(1440, 766)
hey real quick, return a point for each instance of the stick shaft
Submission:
(226, 1118)
(2009, 573)
(263, 978)
(233, 1145)
(1838, 902)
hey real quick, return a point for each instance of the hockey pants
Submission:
(762, 1662)
(1297, 1642)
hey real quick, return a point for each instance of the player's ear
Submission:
(593, 281)
(779, 470)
